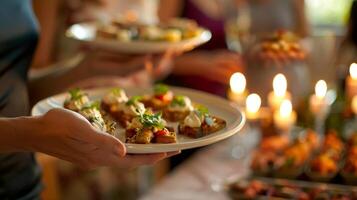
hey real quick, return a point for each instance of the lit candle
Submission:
(279, 93)
(252, 106)
(318, 102)
(351, 81)
(237, 92)
(285, 117)
(354, 105)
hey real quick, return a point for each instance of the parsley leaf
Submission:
(116, 91)
(161, 89)
(133, 100)
(93, 105)
(76, 93)
(178, 101)
(202, 110)
(151, 120)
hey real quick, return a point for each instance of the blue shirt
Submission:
(19, 174)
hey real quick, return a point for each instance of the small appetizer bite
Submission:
(149, 128)
(112, 99)
(124, 111)
(178, 109)
(200, 123)
(92, 114)
(265, 162)
(76, 100)
(294, 160)
(322, 168)
(162, 97)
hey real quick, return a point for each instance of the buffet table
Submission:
(201, 175)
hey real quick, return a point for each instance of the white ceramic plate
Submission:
(86, 32)
(217, 106)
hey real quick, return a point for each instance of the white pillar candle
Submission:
(318, 102)
(252, 106)
(237, 91)
(351, 81)
(354, 104)
(279, 93)
(285, 117)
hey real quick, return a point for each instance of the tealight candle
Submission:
(318, 102)
(252, 106)
(279, 93)
(237, 92)
(354, 104)
(351, 81)
(285, 117)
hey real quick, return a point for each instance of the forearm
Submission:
(18, 134)
(190, 64)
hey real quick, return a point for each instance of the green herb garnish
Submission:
(151, 120)
(201, 110)
(92, 105)
(161, 89)
(133, 100)
(178, 101)
(116, 91)
(76, 93)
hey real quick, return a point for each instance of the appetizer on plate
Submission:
(129, 30)
(92, 113)
(149, 128)
(120, 108)
(199, 123)
(76, 100)
(110, 102)
(162, 97)
(179, 108)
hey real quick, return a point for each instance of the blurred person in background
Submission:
(60, 133)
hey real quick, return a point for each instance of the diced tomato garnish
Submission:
(167, 97)
(161, 132)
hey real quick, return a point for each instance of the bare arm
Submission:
(14, 133)
(68, 136)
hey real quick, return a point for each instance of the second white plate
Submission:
(86, 33)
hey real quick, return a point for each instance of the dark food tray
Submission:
(289, 189)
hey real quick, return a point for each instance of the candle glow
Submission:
(280, 85)
(354, 104)
(320, 89)
(238, 82)
(285, 108)
(353, 71)
(253, 103)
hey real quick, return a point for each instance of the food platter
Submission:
(86, 33)
(251, 187)
(234, 118)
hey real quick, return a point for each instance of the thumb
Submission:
(109, 142)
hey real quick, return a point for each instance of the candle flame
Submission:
(280, 85)
(354, 104)
(238, 82)
(285, 108)
(253, 103)
(320, 89)
(353, 70)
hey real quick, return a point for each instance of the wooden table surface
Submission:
(200, 175)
